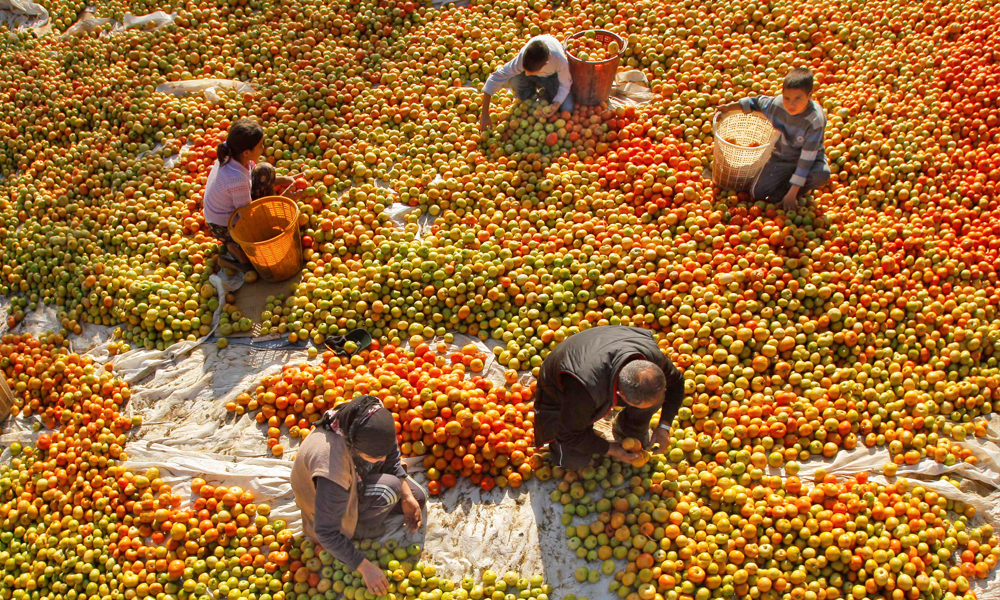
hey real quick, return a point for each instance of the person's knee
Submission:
(575, 462)
(818, 177)
(384, 494)
(522, 86)
(568, 104)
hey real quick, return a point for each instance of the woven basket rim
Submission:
(715, 123)
(624, 45)
(282, 199)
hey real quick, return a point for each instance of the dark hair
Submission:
(535, 55)
(243, 135)
(641, 382)
(799, 79)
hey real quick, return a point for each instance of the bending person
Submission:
(594, 371)
(347, 477)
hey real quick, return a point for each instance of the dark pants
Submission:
(525, 86)
(261, 185)
(383, 495)
(773, 182)
(630, 422)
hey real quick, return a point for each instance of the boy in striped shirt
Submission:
(798, 163)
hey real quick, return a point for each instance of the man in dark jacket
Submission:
(592, 372)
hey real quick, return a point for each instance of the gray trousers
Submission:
(382, 495)
(773, 182)
(525, 86)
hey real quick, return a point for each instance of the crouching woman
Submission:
(347, 478)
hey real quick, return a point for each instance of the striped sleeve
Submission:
(811, 148)
(757, 103)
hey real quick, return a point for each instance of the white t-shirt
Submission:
(227, 189)
(557, 64)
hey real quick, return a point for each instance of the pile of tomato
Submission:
(867, 316)
(461, 423)
(77, 522)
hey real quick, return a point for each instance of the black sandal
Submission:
(337, 343)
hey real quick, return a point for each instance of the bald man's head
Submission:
(641, 382)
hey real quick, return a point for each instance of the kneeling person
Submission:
(798, 163)
(592, 372)
(541, 64)
(347, 477)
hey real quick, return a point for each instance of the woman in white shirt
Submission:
(236, 179)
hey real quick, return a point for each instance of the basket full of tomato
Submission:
(594, 56)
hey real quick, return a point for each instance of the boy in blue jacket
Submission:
(798, 163)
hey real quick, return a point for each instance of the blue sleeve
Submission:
(757, 103)
(811, 149)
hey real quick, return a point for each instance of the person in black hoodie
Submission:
(590, 373)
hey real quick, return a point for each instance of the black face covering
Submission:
(367, 425)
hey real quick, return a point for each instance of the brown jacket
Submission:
(324, 454)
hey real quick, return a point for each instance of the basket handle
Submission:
(235, 219)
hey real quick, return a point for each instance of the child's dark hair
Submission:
(244, 135)
(799, 79)
(535, 56)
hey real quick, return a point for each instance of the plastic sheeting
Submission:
(154, 20)
(209, 87)
(466, 530)
(19, 14)
(85, 25)
(181, 394)
(631, 88)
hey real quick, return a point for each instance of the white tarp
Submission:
(24, 13)
(181, 394)
(208, 87)
(85, 25)
(154, 20)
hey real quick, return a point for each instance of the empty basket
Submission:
(735, 166)
(268, 231)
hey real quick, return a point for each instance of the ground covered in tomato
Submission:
(863, 323)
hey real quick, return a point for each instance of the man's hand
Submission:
(374, 578)
(616, 451)
(550, 110)
(791, 200)
(411, 509)
(660, 437)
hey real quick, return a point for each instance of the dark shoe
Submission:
(336, 343)
(619, 434)
(369, 531)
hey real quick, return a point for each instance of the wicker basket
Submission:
(6, 397)
(267, 229)
(735, 166)
(592, 80)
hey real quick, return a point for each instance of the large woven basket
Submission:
(735, 166)
(268, 231)
(592, 80)
(6, 398)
